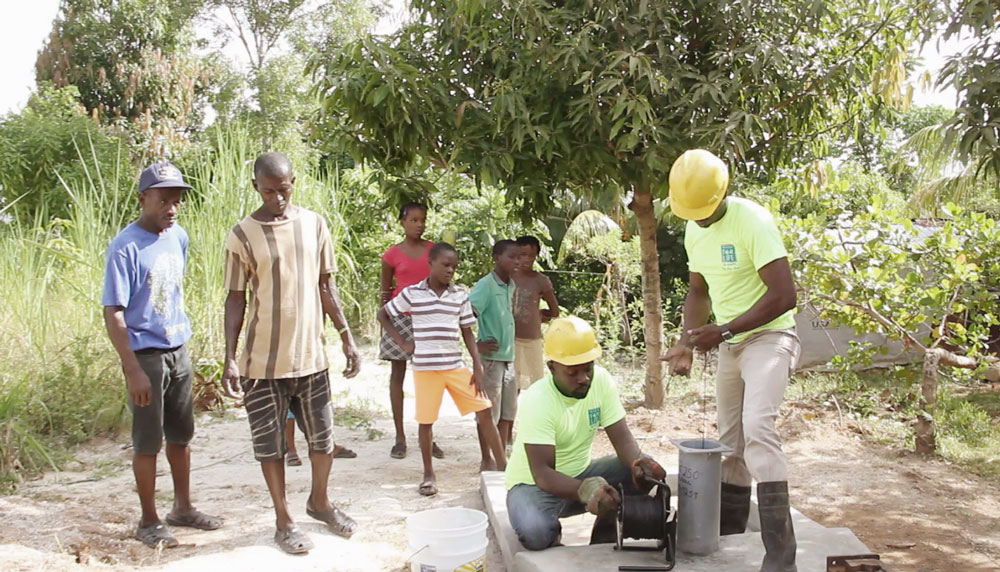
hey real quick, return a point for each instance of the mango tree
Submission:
(594, 97)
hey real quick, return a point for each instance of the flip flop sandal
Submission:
(155, 535)
(343, 453)
(294, 460)
(427, 489)
(398, 451)
(335, 519)
(194, 519)
(436, 451)
(293, 540)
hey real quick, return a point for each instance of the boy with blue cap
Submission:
(144, 314)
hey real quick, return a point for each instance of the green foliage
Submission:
(42, 144)
(133, 63)
(928, 286)
(280, 109)
(478, 218)
(823, 190)
(614, 307)
(974, 73)
(361, 414)
(590, 95)
(933, 164)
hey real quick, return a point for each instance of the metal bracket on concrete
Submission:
(856, 563)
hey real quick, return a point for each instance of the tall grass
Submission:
(60, 380)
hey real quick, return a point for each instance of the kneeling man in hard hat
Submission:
(740, 273)
(550, 474)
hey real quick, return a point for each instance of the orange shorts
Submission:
(430, 386)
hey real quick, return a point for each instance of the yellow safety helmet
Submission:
(571, 341)
(698, 183)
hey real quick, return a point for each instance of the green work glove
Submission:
(598, 495)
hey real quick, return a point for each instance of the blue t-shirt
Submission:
(144, 275)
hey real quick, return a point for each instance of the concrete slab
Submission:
(495, 498)
(742, 552)
(737, 552)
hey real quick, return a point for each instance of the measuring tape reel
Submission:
(645, 517)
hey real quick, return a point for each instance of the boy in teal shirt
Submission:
(491, 299)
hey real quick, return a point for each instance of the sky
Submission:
(27, 24)
(23, 29)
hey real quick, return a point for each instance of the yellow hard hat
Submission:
(698, 183)
(571, 341)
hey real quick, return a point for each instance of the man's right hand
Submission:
(231, 380)
(408, 346)
(487, 346)
(679, 359)
(598, 496)
(140, 390)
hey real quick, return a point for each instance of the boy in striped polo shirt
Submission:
(441, 310)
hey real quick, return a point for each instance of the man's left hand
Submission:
(353, 359)
(645, 473)
(706, 337)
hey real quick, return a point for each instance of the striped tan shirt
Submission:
(436, 323)
(280, 263)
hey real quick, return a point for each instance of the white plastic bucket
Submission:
(447, 540)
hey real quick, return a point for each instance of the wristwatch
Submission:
(726, 334)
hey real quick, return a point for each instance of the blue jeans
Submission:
(534, 514)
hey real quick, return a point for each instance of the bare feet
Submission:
(487, 465)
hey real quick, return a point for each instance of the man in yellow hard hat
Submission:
(550, 474)
(740, 275)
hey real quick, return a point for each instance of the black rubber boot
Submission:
(776, 527)
(735, 509)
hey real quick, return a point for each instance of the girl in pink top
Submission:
(403, 264)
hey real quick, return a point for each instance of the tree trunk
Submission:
(928, 399)
(934, 358)
(642, 206)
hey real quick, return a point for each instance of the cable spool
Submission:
(645, 517)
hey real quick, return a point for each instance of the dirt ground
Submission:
(919, 514)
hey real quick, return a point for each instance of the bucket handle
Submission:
(410, 557)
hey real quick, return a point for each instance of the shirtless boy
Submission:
(532, 286)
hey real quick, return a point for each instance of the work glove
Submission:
(645, 471)
(598, 495)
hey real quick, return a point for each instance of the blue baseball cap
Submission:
(162, 175)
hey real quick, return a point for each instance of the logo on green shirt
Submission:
(728, 256)
(595, 416)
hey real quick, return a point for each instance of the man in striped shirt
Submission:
(283, 255)
(440, 311)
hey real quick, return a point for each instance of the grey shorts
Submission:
(501, 388)
(170, 413)
(268, 402)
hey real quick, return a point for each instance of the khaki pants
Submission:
(750, 386)
(529, 361)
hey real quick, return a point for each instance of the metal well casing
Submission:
(699, 484)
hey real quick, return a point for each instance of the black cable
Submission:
(642, 517)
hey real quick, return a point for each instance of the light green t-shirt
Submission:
(492, 300)
(729, 253)
(547, 417)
